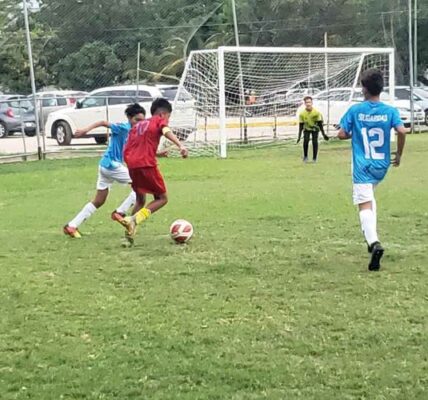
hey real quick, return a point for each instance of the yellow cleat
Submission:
(118, 217)
(131, 229)
(72, 232)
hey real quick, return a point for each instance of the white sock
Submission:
(374, 209)
(368, 225)
(83, 215)
(127, 204)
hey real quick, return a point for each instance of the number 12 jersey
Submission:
(370, 124)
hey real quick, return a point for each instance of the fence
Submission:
(83, 45)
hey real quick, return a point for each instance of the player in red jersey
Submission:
(140, 157)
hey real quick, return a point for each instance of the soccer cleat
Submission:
(377, 251)
(72, 232)
(118, 217)
(131, 229)
(305, 159)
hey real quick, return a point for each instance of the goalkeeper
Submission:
(310, 123)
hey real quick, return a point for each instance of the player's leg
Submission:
(153, 183)
(146, 180)
(374, 208)
(120, 212)
(315, 146)
(159, 201)
(139, 204)
(306, 138)
(103, 184)
(364, 198)
(120, 174)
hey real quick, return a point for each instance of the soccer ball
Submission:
(181, 231)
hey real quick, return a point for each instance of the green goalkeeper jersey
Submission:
(310, 119)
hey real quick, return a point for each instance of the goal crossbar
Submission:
(209, 88)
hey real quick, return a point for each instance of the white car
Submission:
(107, 104)
(50, 101)
(184, 115)
(420, 97)
(334, 103)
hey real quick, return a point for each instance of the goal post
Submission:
(209, 114)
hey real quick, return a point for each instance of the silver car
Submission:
(15, 111)
(420, 97)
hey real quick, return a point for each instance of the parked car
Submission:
(334, 103)
(102, 104)
(420, 97)
(184, 116)
(15, 110)
(280, 102)
(48, 102)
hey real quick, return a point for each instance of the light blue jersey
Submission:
(370, 124)
(114, 153)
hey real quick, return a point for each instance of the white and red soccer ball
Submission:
(181, 231)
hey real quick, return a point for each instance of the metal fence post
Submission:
(21, 117)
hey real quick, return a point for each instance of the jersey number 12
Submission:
(371, 146)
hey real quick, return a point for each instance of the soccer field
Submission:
(270, 300)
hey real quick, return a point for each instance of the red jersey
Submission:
(143, 141)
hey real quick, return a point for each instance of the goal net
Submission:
(235, 96)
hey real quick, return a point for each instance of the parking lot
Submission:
(15, 145)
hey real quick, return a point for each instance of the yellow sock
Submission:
(142, 215)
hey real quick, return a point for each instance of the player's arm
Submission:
(346, 125)
(321, 126)
(401, 141)
(343, 135)
(398, 125)
(301, 125)
(162, 153)
(172, 138)
(98, 124)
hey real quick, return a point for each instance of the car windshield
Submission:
(402, 94)
(18, 104)
(169, 93)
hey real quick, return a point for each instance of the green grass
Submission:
(270, 300)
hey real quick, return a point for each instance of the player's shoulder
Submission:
(160, 121)
(356, 108)
(388, 108)
(123, 126)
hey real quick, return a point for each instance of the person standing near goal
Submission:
(310, 123)
(111, 169)
(140, 157)
(369, 125)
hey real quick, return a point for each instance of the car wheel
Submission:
(426, 117)
(3, 130)
(63, 133)
(101, 139)
(30, 133)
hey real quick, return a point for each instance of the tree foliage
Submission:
(83, 44)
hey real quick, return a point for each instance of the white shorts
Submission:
(107, 176)
(363, 192)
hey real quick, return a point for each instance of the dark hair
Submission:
(134, 109)
(160, 105)
(307, 98)
(372, 80)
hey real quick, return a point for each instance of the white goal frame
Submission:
(222, 51)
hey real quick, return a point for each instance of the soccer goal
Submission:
(235, 96)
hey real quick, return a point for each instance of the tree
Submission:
(94, 65)
(84, 44)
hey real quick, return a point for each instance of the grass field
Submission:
(270, 300)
